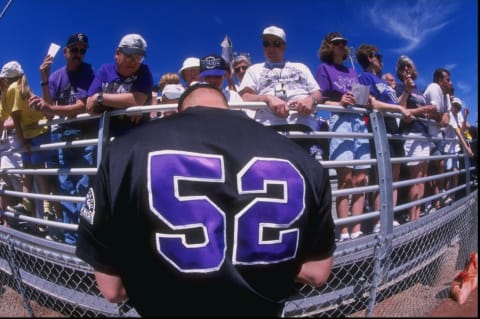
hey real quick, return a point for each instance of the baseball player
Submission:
(207, 213)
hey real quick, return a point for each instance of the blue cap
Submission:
(213, 65)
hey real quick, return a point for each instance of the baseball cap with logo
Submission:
(276, 31)
(212, 65)
(173, 91)
(12, 69)
(133, 44)
(77, 38)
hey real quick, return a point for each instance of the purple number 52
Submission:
(167, 169)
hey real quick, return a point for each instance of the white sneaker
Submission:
(344, 237)
(376, 229)
(395, 223)
(447, 200)
(356, 235)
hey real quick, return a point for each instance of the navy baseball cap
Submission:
(213, 65)
(77, 38)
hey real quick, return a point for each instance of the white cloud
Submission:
(411, 21)
(462, 87)
(450, 66)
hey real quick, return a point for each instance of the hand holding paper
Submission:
(53, 49)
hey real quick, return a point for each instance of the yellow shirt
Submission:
(28, 118)
(4, 110)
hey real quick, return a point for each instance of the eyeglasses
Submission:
(338, 42)
(77, 50)
(138, 58)
(376, 55)
(274, 43)
(242, 67)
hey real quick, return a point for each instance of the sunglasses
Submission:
(138, 58)
(338, 42)
(376, 55)
(77, 50)
(242, 67)
(274, 43)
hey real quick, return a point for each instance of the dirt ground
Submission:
(450, 308)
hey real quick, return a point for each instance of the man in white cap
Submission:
(127, 82)
(190, 70)
(288, 88)
(454, 142)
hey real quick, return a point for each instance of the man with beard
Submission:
(65, 95)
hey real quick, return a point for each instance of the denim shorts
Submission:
(349, 148)
(38, 157)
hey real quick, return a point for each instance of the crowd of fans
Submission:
(291, 92)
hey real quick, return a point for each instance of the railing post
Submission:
(385, 184)
(17, 277)
(103, 135)
(384, 171)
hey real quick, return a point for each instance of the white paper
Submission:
(361, 93)
(53, 49)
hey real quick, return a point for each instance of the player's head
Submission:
(202, 94)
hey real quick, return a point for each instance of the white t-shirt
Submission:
(434, 96)
(452, 147)
(292, 82)
(233, 97)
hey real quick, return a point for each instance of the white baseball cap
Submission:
(11, 69)
(276, 31)
(133, 44)
(190, 63)
(457, 101)
(173, 91)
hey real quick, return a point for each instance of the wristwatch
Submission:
(100, 98)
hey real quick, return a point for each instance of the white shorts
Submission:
(415, 148)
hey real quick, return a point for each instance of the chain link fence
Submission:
(400, 271)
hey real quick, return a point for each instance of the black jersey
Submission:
(206, 213)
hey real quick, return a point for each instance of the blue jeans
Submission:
(74, 185)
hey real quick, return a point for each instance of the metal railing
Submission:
(377, 274)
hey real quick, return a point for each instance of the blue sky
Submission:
(434, 33)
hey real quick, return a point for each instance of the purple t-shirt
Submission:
(335, 79)
(380, 89)
(66, 87)
(108, 80)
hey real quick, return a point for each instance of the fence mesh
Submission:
(400, 273)
(405, 273)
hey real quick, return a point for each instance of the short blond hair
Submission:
(168, 78)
